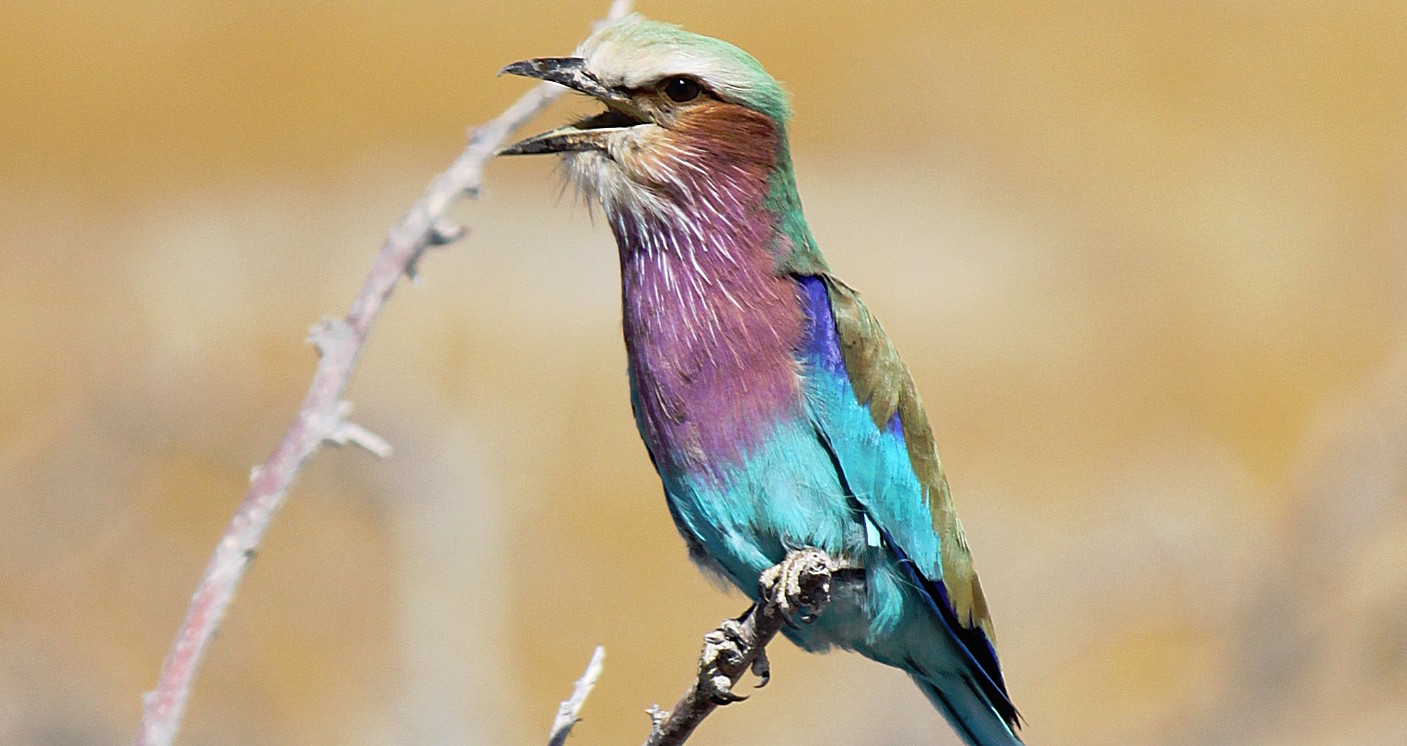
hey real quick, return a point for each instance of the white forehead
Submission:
(636, 53)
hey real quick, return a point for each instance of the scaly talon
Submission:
(732, 631)
(722, 692)
(762, 668)
(797, 584)
(723, 648)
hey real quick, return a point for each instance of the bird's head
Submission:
(691, 123)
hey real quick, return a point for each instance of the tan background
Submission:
(1145, 259)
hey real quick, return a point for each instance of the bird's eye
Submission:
(682, 90)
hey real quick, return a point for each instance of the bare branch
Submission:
(570, 711)
(322, 416)
(799, 586)
(350, 432)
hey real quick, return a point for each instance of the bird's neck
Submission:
(712, 320)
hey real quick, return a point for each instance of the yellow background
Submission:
(1146, 260)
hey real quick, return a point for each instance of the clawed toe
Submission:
(798, 585)
(723, 651)
(731, 630)
(721, 692)
(762, 668)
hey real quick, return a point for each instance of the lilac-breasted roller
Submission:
(774, 407)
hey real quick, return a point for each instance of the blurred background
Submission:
(1146, 260)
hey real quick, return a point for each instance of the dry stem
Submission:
(570, 711)
(322, 416)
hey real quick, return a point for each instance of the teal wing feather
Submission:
(866, 409)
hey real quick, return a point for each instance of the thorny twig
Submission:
(322, 416)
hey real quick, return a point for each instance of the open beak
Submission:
(590, 133)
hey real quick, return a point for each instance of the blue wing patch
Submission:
(875, 472)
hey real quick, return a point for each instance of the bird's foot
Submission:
(723, 652)
(762, 668)
(799, 585)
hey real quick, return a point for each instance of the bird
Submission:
(774, 407)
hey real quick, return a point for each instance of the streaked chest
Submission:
(711, 334)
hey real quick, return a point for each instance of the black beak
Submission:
(561, 140)
(589, 134)
(568, 71)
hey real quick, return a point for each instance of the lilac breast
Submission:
(711, 331)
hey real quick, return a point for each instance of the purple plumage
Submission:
(710, 327)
